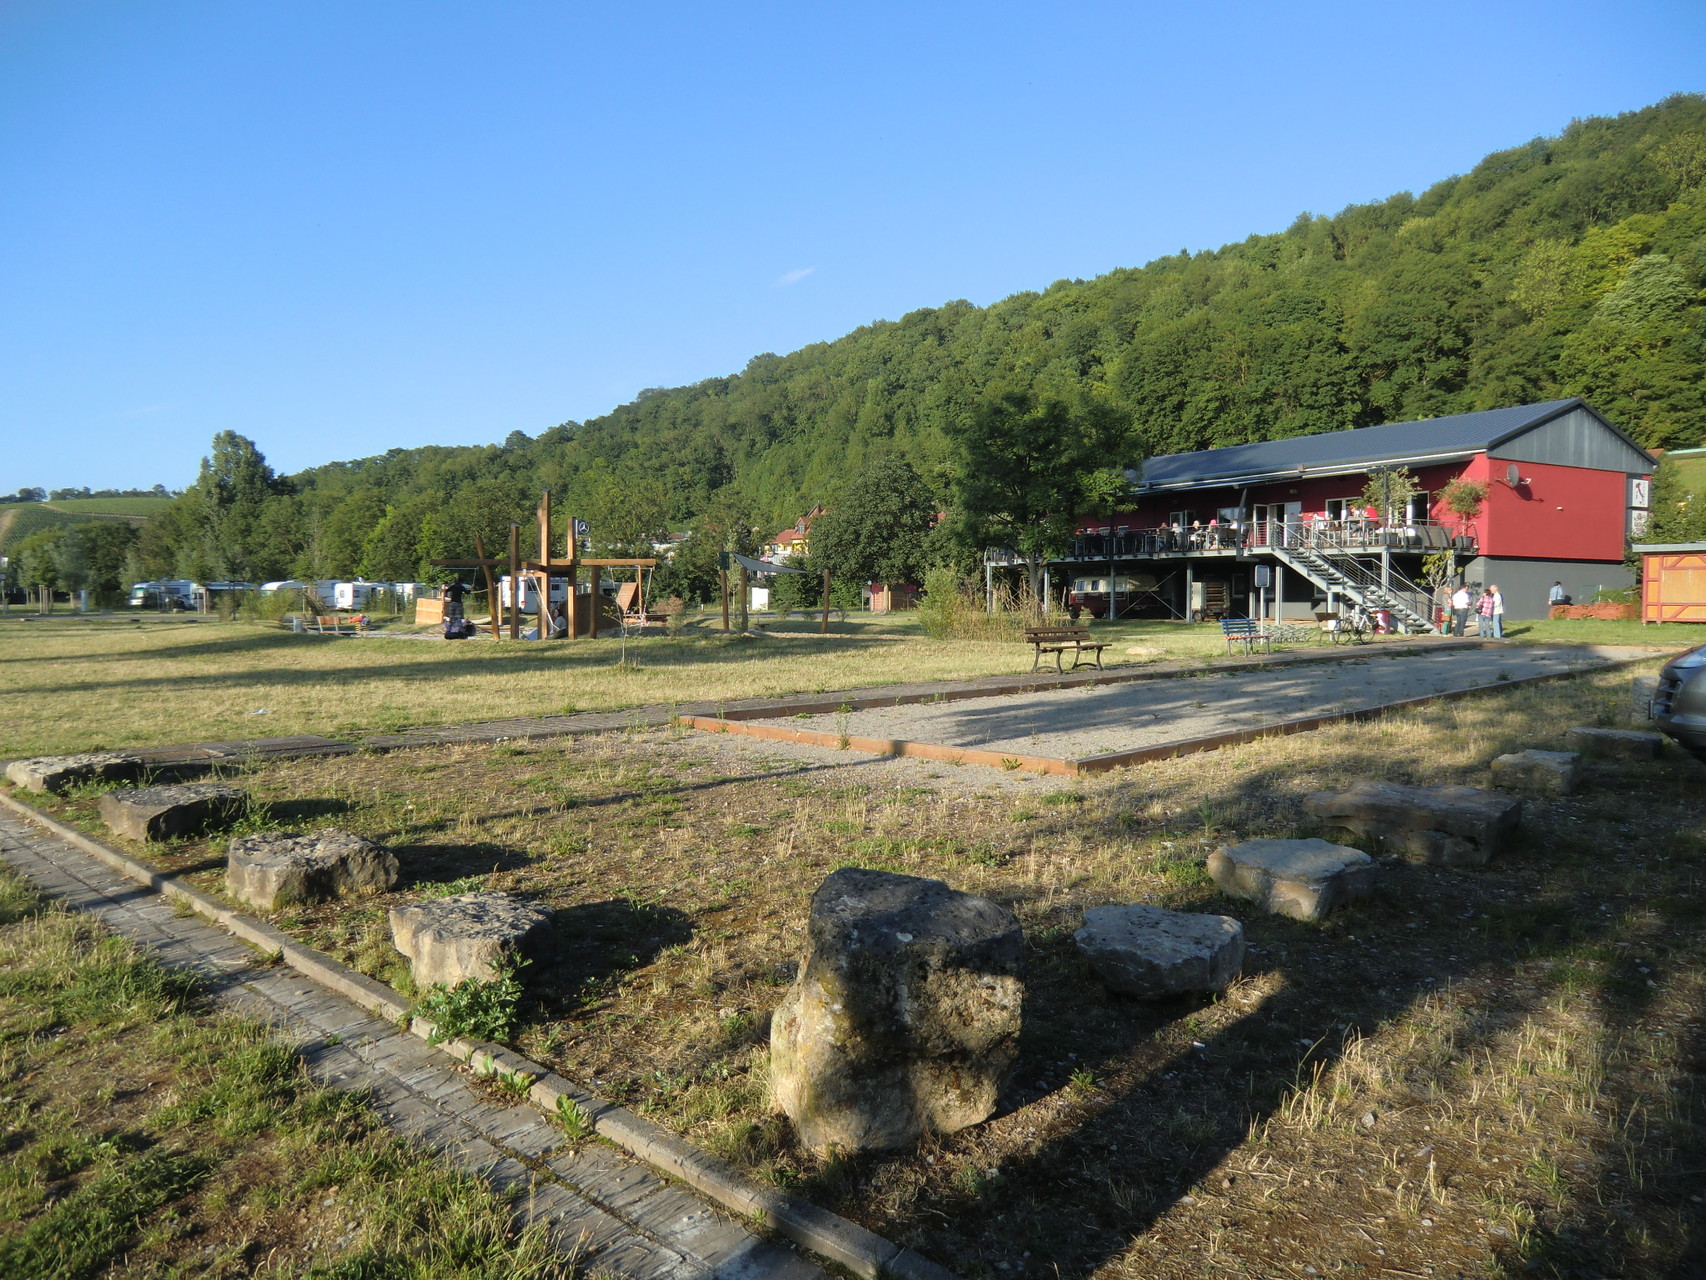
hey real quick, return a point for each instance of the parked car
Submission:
(1679, 706)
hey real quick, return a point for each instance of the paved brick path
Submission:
(627, 1220)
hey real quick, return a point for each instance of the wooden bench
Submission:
(335, 626)
(1247, 632)
(1059, 640)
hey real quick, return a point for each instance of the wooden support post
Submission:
(745, 596)
(823, 627)
(514, 581)
(723, 593)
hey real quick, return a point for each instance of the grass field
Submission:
(1480, 1072)
(143, 506)
(146, 1136)
(71, 683)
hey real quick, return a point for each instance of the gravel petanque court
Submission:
(1072, 724)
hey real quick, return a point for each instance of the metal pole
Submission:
(514, 581)
(988, 587)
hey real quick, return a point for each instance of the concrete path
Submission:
(626, 1220)
(1082, 722)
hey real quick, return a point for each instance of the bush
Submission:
(953, 608)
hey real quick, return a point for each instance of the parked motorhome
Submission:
(167, 593)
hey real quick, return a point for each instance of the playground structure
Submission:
(582, 602)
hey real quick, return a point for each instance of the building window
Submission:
(1181, 518)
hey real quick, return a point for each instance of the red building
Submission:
(1281, 529)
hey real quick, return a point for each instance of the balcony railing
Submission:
(1357, 536)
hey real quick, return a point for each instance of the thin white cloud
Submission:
(794, 277)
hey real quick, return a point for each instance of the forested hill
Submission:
(1571, 265)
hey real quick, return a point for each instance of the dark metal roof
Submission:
(1430, 440)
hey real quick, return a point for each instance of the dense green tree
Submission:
(876, 528)
(1024, 466)
(227, 540)
(38, 562)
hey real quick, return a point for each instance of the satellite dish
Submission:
(1513, 475)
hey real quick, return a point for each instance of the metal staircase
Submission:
(1354, 578)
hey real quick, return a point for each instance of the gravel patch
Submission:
(1071, 724)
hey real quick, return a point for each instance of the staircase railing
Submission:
(1373, 588)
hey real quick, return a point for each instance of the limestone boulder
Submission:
(162, 813)
(1615, 744)
(1303, 879)
(1153, 953)
(1541, 773)
(470, 935)
(1455, 826)
(60, 773)
(278, 870)
(905, 1016)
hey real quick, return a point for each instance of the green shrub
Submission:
(473, 1009)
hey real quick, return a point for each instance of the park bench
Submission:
(1247, 632)
(1059, 640)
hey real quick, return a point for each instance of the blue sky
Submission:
(340, 228)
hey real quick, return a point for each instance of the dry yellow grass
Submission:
(73, 684)
(1483, 1071)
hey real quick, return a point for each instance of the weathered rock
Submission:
(1615, 744)
(1543, 773)
(1453, 825)
(1303, 879)
(61, 773)
(1154, 953)
(278, 870)
(1642, 691)
(159, 813)
(469, 935)
(905, 1016)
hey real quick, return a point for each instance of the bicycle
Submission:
(1352, 626)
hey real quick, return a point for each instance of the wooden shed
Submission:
(1673, 581)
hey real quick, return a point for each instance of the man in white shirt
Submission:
(1557, 595)
(1459, 610)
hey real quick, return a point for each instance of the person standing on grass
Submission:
(1460, 602)
(1484, 614)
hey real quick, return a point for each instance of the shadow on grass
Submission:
(600, 941)
(1161, 1105)
(414, 667)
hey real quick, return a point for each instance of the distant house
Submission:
(795, 541)
(1281, 528)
